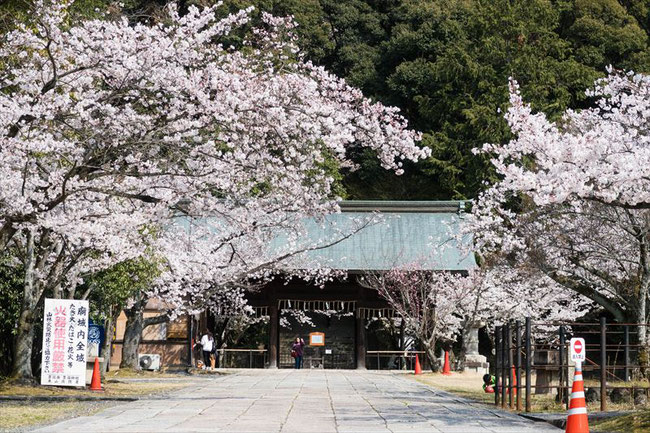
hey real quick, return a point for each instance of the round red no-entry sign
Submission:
(578, 346)
(576, 349)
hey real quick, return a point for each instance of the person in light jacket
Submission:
(207, 342)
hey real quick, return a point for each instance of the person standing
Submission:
(207, 342)
(297, 351)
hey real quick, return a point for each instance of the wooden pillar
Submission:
(360, 340)
(190, 340)
(497, 364)
(274, 325)
(626, 353)
(529, 362)
(603, 364)
(402, 344)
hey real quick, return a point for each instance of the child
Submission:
(489, 382)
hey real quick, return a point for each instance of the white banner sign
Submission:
(65, 338)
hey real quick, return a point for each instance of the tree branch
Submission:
(161, 318)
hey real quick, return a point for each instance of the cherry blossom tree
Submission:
(573, 200)
(598, 154)
(512, 291)
(199, 275)
(443, 305)
(110, 130)
(427, 301)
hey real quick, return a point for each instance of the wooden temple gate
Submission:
(342, 298)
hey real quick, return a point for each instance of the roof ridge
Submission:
(427, 206)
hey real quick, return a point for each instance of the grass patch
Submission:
(638, 422)
(16, 415)
(468, 385)
(641, 384)
(19, 414)
(112, 389)
(461, 384)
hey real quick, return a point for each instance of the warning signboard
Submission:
(65, 341)
(577, 350)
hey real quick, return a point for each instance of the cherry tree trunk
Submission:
(135, 324)
(643, 355)
(132, 336)
(466, 337)
(21, 369)
(642, 331)
(108, 342)
(430, 350)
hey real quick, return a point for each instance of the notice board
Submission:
(65, 341)
(317, 339)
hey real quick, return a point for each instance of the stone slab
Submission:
(288, 401)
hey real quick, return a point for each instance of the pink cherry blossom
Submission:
(112, 131)
(572, 205)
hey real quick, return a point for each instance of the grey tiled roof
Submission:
(420, 234)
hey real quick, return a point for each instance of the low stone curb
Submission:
(53, 398)
(559, 419)
(193, 371)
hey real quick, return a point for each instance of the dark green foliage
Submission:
(446, 64)
(112, 288)
(604, 32)
(11, 290)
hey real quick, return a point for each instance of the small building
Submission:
(170, 341)
(420, 234)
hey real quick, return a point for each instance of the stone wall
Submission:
(339, 338)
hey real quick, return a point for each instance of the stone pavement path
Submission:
(304, 401)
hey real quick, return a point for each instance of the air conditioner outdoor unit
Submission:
(149, 361)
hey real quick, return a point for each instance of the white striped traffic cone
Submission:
(577, 421)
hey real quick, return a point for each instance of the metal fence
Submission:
(325, 361)
(375, 359)
(395, 359)
(244, 358)
(542, 348)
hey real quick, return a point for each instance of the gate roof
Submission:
(418, 234)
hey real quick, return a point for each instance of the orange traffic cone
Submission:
(577, 421)
(96, 382)
(418, 368)
(514, 381)
(446, 369)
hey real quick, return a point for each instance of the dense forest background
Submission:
(446, 64)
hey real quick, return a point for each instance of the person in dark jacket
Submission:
(297, 351)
